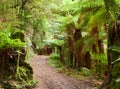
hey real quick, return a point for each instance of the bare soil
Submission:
(49, 78)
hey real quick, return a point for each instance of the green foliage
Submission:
(85, 72)
(115, 48)
(41, 18)
(101, 57)
(53, 42)
(117, 80)
(112, 8)
(16, 85)
(115, 83)
(116, 61)
(58, 42)
(7, 42)
(54, 61)
(95, 88)
(96, 20)
(54, 56)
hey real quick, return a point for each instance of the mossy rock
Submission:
(13, 84)
(25, 72)
(21, 80)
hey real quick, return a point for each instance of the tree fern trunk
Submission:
(113, 69)
(70, 30)
(78, 49)
(87, 59)
(3, 61)
(114, 40)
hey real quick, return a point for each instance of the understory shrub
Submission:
(15, 72)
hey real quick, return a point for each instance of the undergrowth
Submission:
(76, 73)
(55, 62)
(15, 72)
(80, 74)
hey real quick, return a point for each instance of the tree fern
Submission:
(7, 43)
(99, 18)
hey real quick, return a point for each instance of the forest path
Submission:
(49, 78)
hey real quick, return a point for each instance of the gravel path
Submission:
(49, 78)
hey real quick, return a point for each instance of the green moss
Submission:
(12, 84)
(22, 80)
(15, 73)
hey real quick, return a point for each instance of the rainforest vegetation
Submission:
(77, 34)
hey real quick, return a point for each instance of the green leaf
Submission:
(115, 48)
(117, 80)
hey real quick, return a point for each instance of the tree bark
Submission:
(78, 49)
(70, 31)
(113, 69)
(87, 59)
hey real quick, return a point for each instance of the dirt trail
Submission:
(49, 78)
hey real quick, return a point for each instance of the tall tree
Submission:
(112, 8)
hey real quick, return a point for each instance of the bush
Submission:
(54, 56)
(6, 42)
(55, 61)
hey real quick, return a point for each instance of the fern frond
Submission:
(115, 48)
(99, 18)
(87, 41)
(101, 57)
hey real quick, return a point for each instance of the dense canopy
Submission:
(82, 35)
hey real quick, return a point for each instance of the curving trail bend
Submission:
(49, 78)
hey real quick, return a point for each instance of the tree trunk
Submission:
(113, 67)
(100, 46)
(87, 59)
(61, 55)
(114, 41)
(78, 50)
(70, 30)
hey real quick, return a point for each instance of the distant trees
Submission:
(83, 22)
